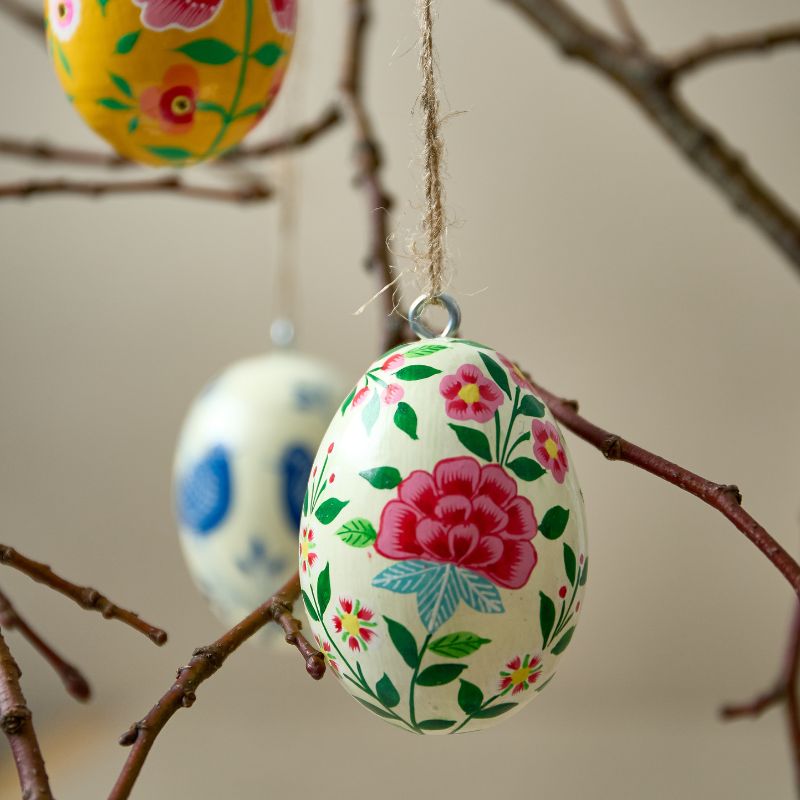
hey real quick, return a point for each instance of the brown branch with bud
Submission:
(86, 597)
(204, 663)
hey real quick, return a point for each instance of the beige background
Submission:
(586, 249)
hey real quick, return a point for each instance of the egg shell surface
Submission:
(171, 82)
(240, 472)
(443, 543)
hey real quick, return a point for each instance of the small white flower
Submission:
(64, 16)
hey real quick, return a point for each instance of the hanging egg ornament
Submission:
(443, 544)
(171, 82)
(241, 467)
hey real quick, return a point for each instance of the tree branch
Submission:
(627, 27)
(257, 192)
(369, 162)
(725, 498)
(17, 724)
(717, 48)
(649, 81)
(84, 596)
(74, 682)
(23, 14)
(204, 663)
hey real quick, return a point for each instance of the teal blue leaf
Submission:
(371, 412)
(478, 592)
(437, 599)
(407, 577)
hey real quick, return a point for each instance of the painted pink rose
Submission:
(284, 12)
(173, 103)
(549, 450)
(470, 394)
(463, 514)
(187, 15)
(517, 375)
(393, 394)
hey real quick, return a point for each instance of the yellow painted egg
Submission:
(171, 82)
(443, 554)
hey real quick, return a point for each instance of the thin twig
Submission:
(723, 497)
(624, 21)
(17, 724)
(369, 163)
(291, 140)
(171, 185)
(22, 13)
(74, 682)
(204, 663)
(294, 139)
(650, 82)
(84, 596)
(717, 48)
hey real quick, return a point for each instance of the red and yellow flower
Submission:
(329, 655)
(469, 394)
(549, 450)
(520, 673)
(354, 622)
(173, 103)
(307, 547)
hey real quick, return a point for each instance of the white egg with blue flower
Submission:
(241, 467)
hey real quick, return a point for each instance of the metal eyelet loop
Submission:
(421, 303)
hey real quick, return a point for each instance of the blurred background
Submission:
(585, 248)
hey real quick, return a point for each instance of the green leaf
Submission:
(458, 645)
(526, 468)
(493, 711)
(499, 375)
(547, 616)
(310, 607)
(121, 84)
(268, 54)
(404, 642)
(386, 692)
(357, 532)
(324, 589)
(470, 697)
(382, 477)
(554, 522)
(531, 407)
(563, 642)
(542, 685)
(376, 709)
(114, 104)
(436, 724)
(405, 418)
(214, 108)
(251, 111)
(62, 57)
(371, 412)
(474, 344)
(127, 42)
(475, 441)
(348, 400)
(440, 674)
(424, 350)
(209, 51)
(305, 503)
(170, 153)
(133, 125)
(416, 372)
(330, 509)
(584, 572)
(570, 563)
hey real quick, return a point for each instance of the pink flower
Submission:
(354, 622)
(520, 673)
(517, 375)
(464, 514)
(361, 396)
(307, 547)
(393, 362)
(63, 17)
(393, 394)
(174, 102)
(187, 15)
(284, 12)
(470, 394)
(549, 450)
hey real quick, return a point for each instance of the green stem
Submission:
(497, 434)
(514, 415)
(523, 438)
(469, 719)
(316, 491)
(377, 380)
(565, 619)
(248, 35)
(411, 708)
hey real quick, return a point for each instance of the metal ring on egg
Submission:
(445, 301)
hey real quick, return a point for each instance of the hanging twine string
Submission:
(433, 222)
